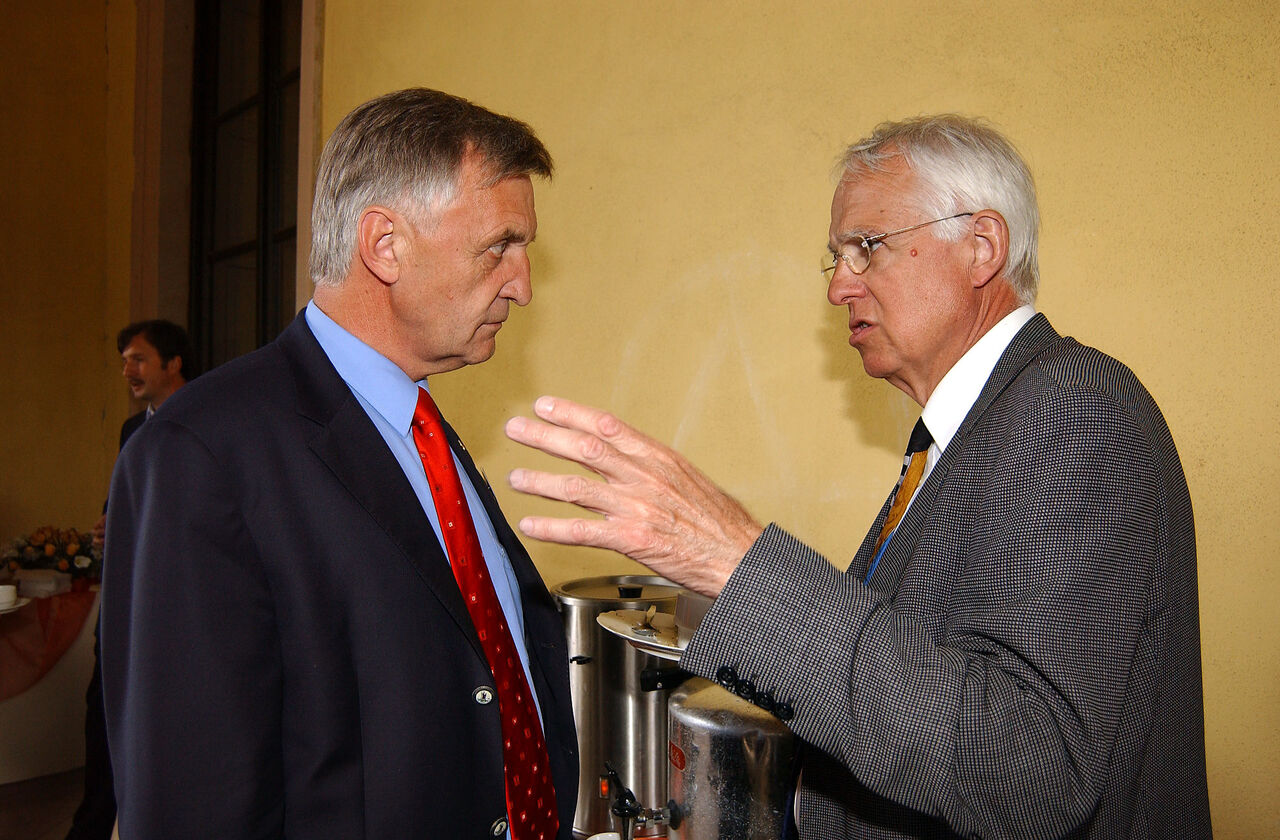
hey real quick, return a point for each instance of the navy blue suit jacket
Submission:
(285, 650)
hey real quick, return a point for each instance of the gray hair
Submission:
(963, 165)
(405, 150)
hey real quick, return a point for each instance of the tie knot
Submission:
(426, 412)
(920, 438)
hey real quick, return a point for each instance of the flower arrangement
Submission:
(67, 550)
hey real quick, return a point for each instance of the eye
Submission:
(498, 248)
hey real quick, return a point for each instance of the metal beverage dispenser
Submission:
(618, 721)
(730, 762)
(731, 766)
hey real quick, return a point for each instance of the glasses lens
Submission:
(858, 257)
(855, 257)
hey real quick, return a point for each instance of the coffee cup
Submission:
(8, 596)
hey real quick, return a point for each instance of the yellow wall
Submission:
(66, 105)
(676, 263)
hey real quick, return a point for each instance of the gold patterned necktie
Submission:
(913, 463)
(531, 803)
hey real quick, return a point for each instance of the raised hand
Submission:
(657, 508)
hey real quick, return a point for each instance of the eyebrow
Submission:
(849, 236)
(513, 235)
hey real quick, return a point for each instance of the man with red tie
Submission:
(317, 622)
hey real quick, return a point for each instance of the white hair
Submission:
(963, 165)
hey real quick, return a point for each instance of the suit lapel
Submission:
(1030, 341)
(350, 445)
(541, 618)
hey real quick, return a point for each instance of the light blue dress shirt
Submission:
(390, 398)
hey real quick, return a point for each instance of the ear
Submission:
(376, 242)
(991, 247)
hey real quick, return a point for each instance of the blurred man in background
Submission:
(158, 360)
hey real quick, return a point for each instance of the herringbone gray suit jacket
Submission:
(1026, 659)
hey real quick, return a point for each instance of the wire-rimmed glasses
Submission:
(859, 259)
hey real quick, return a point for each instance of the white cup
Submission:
(8, 596)
(608, 835)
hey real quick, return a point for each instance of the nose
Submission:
(519, 287)
(844, 286)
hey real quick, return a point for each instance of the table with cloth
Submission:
(46, 659)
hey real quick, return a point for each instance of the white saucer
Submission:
(17, 605)
(663, 642)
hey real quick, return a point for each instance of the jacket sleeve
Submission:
(1002, 722)
(190, 654)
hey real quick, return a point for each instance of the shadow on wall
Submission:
(881, 414)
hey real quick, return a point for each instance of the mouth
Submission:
(858, 328)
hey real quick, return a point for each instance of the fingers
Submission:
(657, 507)
(571, 415)
(588, 532)
(680, 562)
(587, 436)
(594, 423)
(569, 444)
(584, 492)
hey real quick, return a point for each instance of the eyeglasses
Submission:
(859, 259)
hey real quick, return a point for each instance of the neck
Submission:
(360, 306)
(989, 310)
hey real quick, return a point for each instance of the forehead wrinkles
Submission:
(871, 201)
(507, 211)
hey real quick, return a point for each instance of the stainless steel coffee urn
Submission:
(731, 765)
(618, 720)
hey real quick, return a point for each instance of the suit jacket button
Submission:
(484, 696)
(499, 827)
(746, 690)
(727, 678)
(765, 700)
(784, 711)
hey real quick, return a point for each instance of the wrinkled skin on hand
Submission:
(657, 508)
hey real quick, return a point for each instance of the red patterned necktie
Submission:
(531, 803)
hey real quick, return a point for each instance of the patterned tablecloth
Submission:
(34, 637)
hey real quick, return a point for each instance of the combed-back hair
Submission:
(405, 151)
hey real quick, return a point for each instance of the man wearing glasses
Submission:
(1014, 650)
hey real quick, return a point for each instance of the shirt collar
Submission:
(959, 389)
(368, 373)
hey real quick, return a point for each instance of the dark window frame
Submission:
(217, 340)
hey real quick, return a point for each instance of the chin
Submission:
(482, 353)
(875, 368)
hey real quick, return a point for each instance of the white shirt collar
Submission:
(959, 389)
